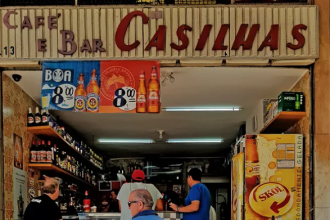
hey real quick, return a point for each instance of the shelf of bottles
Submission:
(42, 124)
(50, 157)
(52, 167)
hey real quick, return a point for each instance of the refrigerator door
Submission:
(273, 176)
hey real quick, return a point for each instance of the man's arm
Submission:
(193, 207)
(119, 205)
(159, 205)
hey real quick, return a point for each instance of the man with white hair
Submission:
(44, 207)
(140, 203)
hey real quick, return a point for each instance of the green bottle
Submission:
(297, 104)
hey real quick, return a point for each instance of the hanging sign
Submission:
(101, 86)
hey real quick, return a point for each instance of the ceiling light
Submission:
(131, 141)
(194, 141)
(200, 109)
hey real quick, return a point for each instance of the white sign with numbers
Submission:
(125, 98)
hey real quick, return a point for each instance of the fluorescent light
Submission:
(132, 141)
(200, 109)
(194, 141)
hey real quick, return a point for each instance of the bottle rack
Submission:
(51, 167)
(50, 132)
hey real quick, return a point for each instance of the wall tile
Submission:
(322, 97)
(322, 213)
(16, 103)
(322, 171)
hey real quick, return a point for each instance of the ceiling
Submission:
(193, 87)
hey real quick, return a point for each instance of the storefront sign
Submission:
(180, 32)
(101, 86)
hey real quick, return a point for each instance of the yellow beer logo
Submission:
(252, 168)
(271, 199)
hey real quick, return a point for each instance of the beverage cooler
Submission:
(267, 178)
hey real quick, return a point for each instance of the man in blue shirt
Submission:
(140, 204)
(198, 202)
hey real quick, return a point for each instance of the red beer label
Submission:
(87, 205)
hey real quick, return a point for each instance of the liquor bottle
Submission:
(38, 149)
(33, 153)
(81, 148)
(82, 172)
(87, 203)
(93, 92)
(20, 202)
(43, 152)
(44, 118)
(141, 102)
(153, 92)
(55, 155)
(37, 117)
(49, 153)
(80, 95)
(68, 163)
(30, 118)
(297, 103)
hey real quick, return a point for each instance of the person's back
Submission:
(40, 208)
(44, 207)
(199, 192)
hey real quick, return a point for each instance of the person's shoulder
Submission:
(148, 217)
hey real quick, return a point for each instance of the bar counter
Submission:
(166, 215)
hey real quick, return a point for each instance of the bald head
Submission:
(143, 196)
(51, 186)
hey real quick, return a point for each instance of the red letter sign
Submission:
(272, 39)
(204, 35)
(239, 40)
(298, 36)
(121, 30)
(184, 39)
(218, 44)
(158, 39)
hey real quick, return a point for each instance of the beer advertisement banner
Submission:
(101, 86)
(273, 177)
(237, 184)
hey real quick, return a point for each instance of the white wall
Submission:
(249, 122)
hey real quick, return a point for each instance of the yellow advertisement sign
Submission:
(273, 177)
(237, 186)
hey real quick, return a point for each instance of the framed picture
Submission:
(18, 152)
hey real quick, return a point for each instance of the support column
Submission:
(322, 117)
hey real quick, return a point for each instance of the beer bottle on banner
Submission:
(37, 117)
(80, 95)
(38, 150)
(43, 152)
(141, 102)
(252, 175)
(33, 153)
(87, 203)
(30, 118)
(153, 92)
(93, 94)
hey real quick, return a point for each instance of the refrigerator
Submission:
(267, 178)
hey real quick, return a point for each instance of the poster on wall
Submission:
(101, 86)
(18, 152)
(20, 195)
(273, 177)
